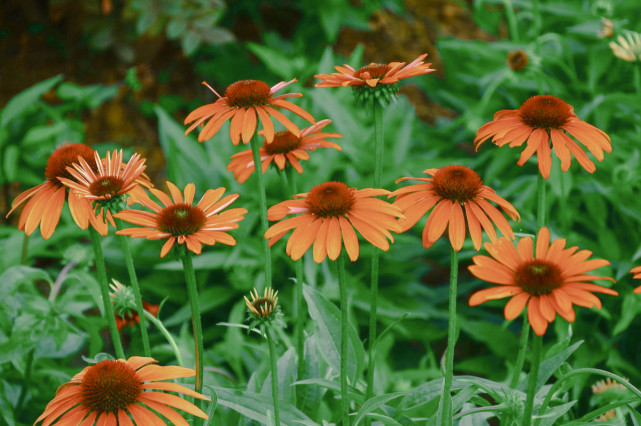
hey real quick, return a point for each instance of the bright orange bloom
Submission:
(542, 119)
(374, 74)
(330, 212)
(457, 195)
(122, 392)
(179, 220)
(285, 148)
(46, 200)
(132, 318)
(549, 281)
(637, 275)
(243, 101)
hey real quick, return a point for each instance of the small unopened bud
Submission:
(517, 60)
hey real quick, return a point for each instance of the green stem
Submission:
(636, 78)
(258, 171)
(536, 11)
(540, 188)
(342, 284)
(25, 381)
(104, 291)
(25, 243)
(520, 358)
(535, 363)
(445, 406)
(511, 20)
(190, 277)
(274, 366)
(160, 326)
(126, 251)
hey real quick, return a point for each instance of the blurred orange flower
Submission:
(243, 101)
(122, 392)
(330, 212)
(132, 318)
(637, 275)
(285, 148)
(549, 281)
(457, 196)
(542, 119)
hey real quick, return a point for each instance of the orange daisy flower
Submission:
(330, 212)
(548, 281)
(637, 275)
(122, 392)
(457, 196)
(285, 148)
(179, 220)
(243, 101)
(45, 201)
(542, 119)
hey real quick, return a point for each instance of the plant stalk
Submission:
(258, 171)
(274, 367)
(342, 284)
(160, 326)
(534, 375)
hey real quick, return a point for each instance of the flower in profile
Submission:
(286, 148)
(124, 302)
(628, 47)
(47, 199)
(542, 119)
(178, 220)
(549, 280)
(637, 275)
(122, 392)
(517, 60)
(456, 195)
(261, 309)
(330, 212)
(244, 101)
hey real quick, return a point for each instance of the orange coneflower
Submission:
(330, 212)
(181, 221)
(457, 195)
(131, 318)
(285, 148)
(243, 101)
(548, 281)
(122, 392)
(46, 200)
(637, 275)
(542, 119)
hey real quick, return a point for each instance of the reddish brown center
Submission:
(264, 306)
(545, 112)
(110, 386)
(374, 70)
(517, 60)
(181, 219)
(330, 199)
(64, 157)
(106, 187)
(248, 93)
(457, 183)
(538, 277)
(284, 142)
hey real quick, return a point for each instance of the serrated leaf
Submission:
(26, 99)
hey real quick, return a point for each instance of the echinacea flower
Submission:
(47, 199)
(178, 220)
(330, 212)
(457, 197)
(628, 47)
(517, 60)
(542, 119)
(637, 275)
(122, 393)
(244, 101)
(286, 148)
(549, 281)
(262, 307)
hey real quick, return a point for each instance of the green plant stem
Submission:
(540, 189)
(25, 381)
(190, 278)
(535, 363)
(104, 291)
(129, 261)
(520, 357)
(274, 366)
(258, 171)
(511, 20)
(636, 78)
(25, 244)
(160, 326)
(445, 405)
(342, 284)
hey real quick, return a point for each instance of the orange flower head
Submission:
(330, 213)
(45, 201)
(285, 148)
(456, 195)
(549, 280)
(178, 220)
(115, 392)
(542, 119)
(637, 275)
(244, 103)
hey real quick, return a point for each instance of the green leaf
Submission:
(353, 393)
(26, 99)
(190, 42)
(277, 62)
(10, 162)
(286, 367)
(255, 406)
(210, 298)
(552, 414)
(309, 397)
(550, 365)
(16, 275)
(327, 318)
(375, 403)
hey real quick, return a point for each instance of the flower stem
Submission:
(258, 171)
(520, 358)
(25, 381)
(274, 367)
(104, 291)
(445, 408)
(534, 376)
(126, 251)
(342, 284)
(160, 326)
(190, 278)
(511, 20)
(25, 244)
(540, 189)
